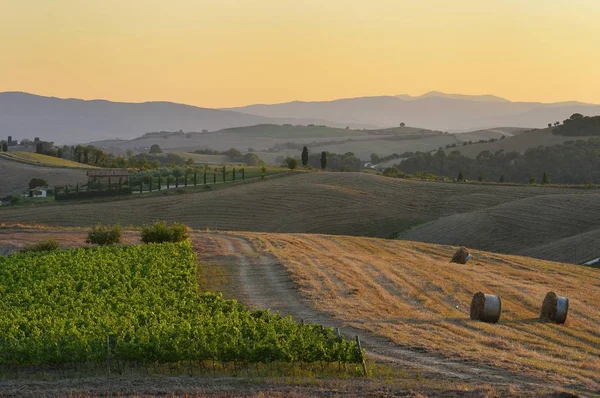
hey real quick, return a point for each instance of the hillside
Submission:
(410, 294)
(70, 121)
(519, 142)
(43, 160)
(487, 134)
(535, 226)
(510, 219)
(271, 141)
(435, 111)
(16, 176)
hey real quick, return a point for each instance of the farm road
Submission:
(257, 278)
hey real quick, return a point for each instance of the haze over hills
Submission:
(25, 115)
(434, 110)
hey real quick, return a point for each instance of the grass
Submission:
(44, 160)
(548, 222)
(17, 174)
(410, 293)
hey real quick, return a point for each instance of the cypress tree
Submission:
(215, 177)
(545, 179)
(243, 174)
(204, 176)
(502, 178)
(195, 177)
(234, 174)
(177, 182)
(460, 176)
(223, 173)
(304, 156)
(323, 160)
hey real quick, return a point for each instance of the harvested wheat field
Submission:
(355, 204)
(16, 176)
(410, 293)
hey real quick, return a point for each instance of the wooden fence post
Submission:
(362, 357)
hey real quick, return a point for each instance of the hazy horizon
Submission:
(235, 53)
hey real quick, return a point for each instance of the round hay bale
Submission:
(462, 256)
(486, 308)
(555, 308)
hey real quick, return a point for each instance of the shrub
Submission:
(37, 182)
(104, 235)
(46, 245)
(161, 232)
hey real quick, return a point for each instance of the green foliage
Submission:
(155, 148)
(161, 232)
(37, 182)
(72, 195)
(460, 176)
(323, 160)
(291, 163)
(304, 156)
(46, 245)
(104, 235)
(62, 307)
(573, 162)
(545, 179)
(579, 125)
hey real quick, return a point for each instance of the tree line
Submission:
(573, 162)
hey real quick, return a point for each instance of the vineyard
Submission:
(141, 304)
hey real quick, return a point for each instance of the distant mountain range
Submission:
(434, 110)
(25, 115)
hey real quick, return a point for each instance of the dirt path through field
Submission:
(259, 280)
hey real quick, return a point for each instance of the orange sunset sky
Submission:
(234, 52)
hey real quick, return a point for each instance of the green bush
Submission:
(46, 245)
(161, 232)
(93, 194)
(104, 235)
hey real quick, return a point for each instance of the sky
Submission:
(225, 53)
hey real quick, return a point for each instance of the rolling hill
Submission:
(519, 142)
(17, 174)
(435, 111)
(409, 293)
(70, 121)
(270, 141)
(509, 219)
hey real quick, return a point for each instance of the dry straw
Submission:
(461, 256)
(555, 308)
(486, 308)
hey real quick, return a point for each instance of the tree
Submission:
(549, 124)
(37, 182)
(502, 178)
(291, 163)
(4, 147)
(402, 124)
(304, 156)
(155, 148)
(545, 179)
(460, 176)
(375, 159)
(480, 179)
(323, 160)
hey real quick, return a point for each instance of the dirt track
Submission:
(257, 278)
